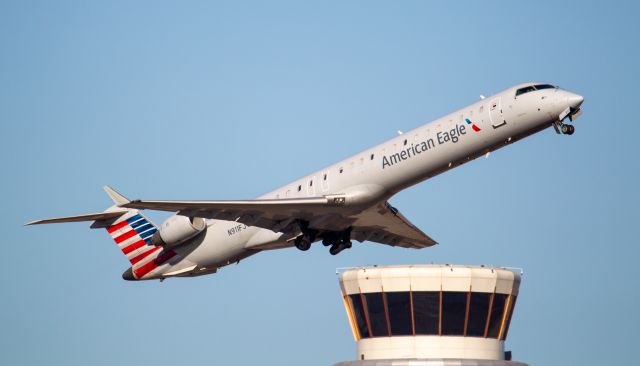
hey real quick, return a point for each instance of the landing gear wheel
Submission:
(336, 248)
(340, 246)
(302, 243)
(567, 129)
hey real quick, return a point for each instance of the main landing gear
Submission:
(308, 236)
(303, 242)
(338, 241)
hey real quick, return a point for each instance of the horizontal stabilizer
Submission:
(89, 217)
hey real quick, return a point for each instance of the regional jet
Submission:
(346, 201)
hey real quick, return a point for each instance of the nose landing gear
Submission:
(564, 128)
(567, 129)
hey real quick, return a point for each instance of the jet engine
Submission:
(176, 230)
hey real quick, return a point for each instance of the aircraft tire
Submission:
(335, 249)
(302, 244)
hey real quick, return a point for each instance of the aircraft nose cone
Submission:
(574, 100)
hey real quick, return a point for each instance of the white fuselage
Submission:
(391, 166)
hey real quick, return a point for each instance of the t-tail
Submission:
(132, 233)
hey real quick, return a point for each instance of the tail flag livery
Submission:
(131, 231)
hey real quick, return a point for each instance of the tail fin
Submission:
(130, 230)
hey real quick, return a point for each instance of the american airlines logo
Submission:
(442, 137)
(473, 125)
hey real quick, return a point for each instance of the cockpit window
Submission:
(531, 88)
(525, 90)
(544, 86)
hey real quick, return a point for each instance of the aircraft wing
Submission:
(381, 223)
(273, 214)
(384, 224)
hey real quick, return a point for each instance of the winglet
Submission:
(117, 198)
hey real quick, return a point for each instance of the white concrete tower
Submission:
(430, 314)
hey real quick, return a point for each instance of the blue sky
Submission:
(223, 100)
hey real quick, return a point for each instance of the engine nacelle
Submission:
(176, 230)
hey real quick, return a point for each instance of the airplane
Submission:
(346, 201)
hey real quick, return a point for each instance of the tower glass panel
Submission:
(377, 314)
(478, 311)
(497, 311)
(426, 312)
(358, 313)
(399, 304)
(454, 307)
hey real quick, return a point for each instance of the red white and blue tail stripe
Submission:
(132, 233)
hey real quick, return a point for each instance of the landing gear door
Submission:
(495, 113)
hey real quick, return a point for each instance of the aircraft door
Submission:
(495, 113)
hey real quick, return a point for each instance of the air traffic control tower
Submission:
(435, 315)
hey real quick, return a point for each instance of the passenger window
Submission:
(299, 187)
(371, 156)
(341, 170)
(325, 177)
